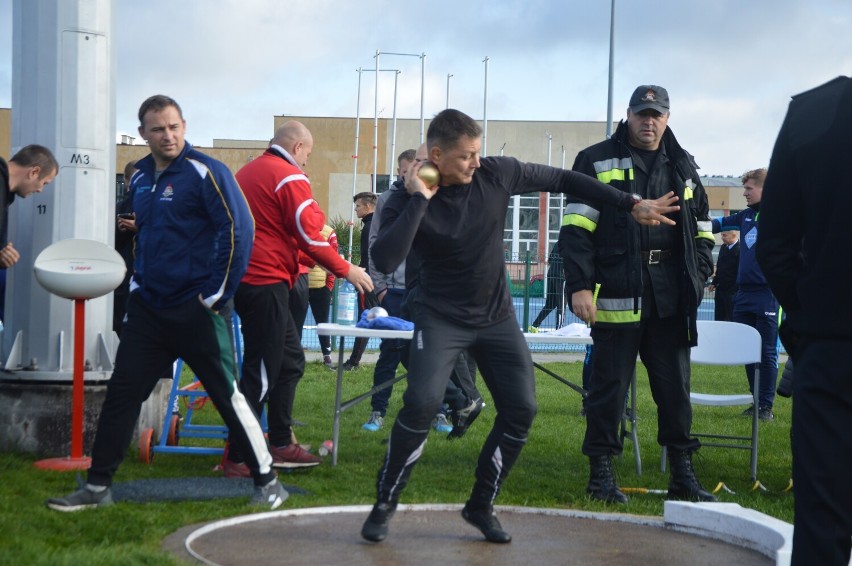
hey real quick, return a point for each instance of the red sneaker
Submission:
(235, 470)
(293, 456)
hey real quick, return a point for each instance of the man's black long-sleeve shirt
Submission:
(458, 235)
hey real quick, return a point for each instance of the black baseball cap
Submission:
(649, 96)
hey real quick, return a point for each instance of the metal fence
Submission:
(530, 280)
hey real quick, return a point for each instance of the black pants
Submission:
(759, 309)
(662, 346)
(151, 340)
(463, 381)
(822, 452)
(724, 309)
(391, 352)
(553, 300)
(298, 301)
(461, 388)
(320, 301)
(273, 362)
(119, 307)
(506, 366)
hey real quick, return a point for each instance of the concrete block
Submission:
(36, 417)
(735, 524)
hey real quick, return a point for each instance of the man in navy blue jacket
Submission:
(193, 246)
(754, 303)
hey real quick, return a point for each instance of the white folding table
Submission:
(328, 329)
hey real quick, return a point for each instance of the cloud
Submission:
(730, 66)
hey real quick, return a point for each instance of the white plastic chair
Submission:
(728, 344)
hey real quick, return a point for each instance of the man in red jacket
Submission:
(287, 220)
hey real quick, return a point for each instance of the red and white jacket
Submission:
(287, 220)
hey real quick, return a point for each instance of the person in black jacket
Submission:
(639, 289)
(29, 170)
(365, 205)
(555, 279)
(724, 281)
(803, 252)
(125, 232)
(456, 228)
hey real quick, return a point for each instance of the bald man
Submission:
(287, 221)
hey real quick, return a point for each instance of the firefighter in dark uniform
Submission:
(640, 289)
(804, 253)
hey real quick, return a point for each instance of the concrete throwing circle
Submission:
(434, 534)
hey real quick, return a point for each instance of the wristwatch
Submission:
(635, 199)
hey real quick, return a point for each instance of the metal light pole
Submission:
(485, 111)
(547, 204)
(375, 126)
(355, 163)
(549, 145)
(422, 57)
(611, 66)
(393, 128)
(359, 70)
(448, 90)
(562, 195)
(422, 96)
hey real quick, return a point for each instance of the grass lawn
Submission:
(551, 472)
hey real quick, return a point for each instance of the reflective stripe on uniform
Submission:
(579, 221)
(619, 317)
(614, 163)
(689, 189)
(592, 214)
(582, 216)
(617, 311)
(615, 175)
(704, 229)
(616, 169)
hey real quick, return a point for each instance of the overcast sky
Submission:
(730, 66)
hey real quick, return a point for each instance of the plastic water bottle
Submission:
(347, 304)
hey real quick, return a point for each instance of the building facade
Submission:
(339, 168)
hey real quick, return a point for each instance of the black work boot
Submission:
(601, 482)
(683, 485)
(375, 528)
(486, 521)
